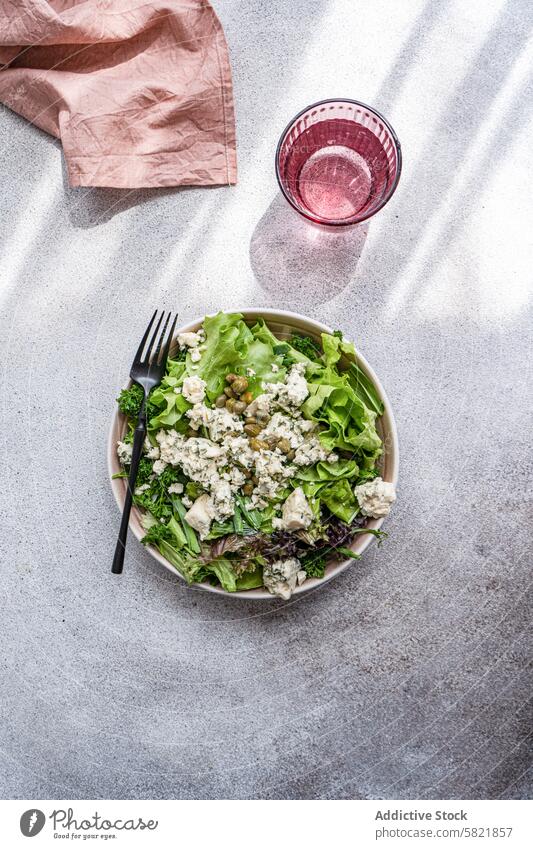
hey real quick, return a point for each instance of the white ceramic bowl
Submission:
(283, 324)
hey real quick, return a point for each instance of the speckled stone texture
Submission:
(407, 677)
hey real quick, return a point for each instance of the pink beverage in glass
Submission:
(338, 162)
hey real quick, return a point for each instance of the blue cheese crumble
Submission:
(296, 513)
(375, 497)
(283, 576)
(124, 451)
(193, 389)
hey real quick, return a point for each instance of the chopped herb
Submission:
(156, 533)
(130, 400)
(314, 564)
(306, 345)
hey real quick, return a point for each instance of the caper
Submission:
(247, 397)
(191, 432)
(230, 404)
(221, 401)
(252, 429)
(247, 473)
(240, 384)
(272, 440)
(258, 444)
(255, 480)
(230, 378)
(262, 417)
(228, 391)
(284, 445)
(248, 488)
(291, 455)
(251, 420)
(239, 407)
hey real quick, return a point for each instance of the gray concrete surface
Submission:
(408, 676)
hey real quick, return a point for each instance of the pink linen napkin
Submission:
(140, 94)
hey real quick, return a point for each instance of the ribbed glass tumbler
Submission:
(338, 162)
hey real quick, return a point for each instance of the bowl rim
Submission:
(323, 222)
(361, 543)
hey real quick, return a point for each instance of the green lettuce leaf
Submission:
(231, 346)
(222, 569)
(340, 500)
(187, 565)
(329, 471)
(286, 350)
(334, 346)
(349, 424)
(260, 358)
(251, 580)
(168, 408)
(346, 403)
(365, 389)
(226, 345)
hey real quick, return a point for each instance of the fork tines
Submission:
(161, 350)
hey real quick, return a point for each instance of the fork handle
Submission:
(138, 441)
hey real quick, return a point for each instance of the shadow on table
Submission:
(90, 207)
(292, 257)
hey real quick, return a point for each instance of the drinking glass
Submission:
(338, 162)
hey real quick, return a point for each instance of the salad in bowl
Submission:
(270, 458)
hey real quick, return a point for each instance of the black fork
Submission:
(147, 372)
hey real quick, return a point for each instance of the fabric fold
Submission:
(138, 96)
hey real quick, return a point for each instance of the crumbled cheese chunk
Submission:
(271, 470)
(219, 422)
(189, 339)
(298, 432)
(222, 422)
(196, 355)
(199, 458)
(159, 467)
(170, 445)
(281, 577)
(151, 451)
(175, 488)
(239, 451)
(259, 406)
(124, 451)
(222, 498)
(292, 393)
(250, 372)
(375, 497)
(265, 490)
(140, 489)
(235, 477)
(285, 427)
(198, 415)
(200, 515)
(268, 463)
(274, 368)
(217, 505)
(310, 452)
(296, 513)
(193, 389)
